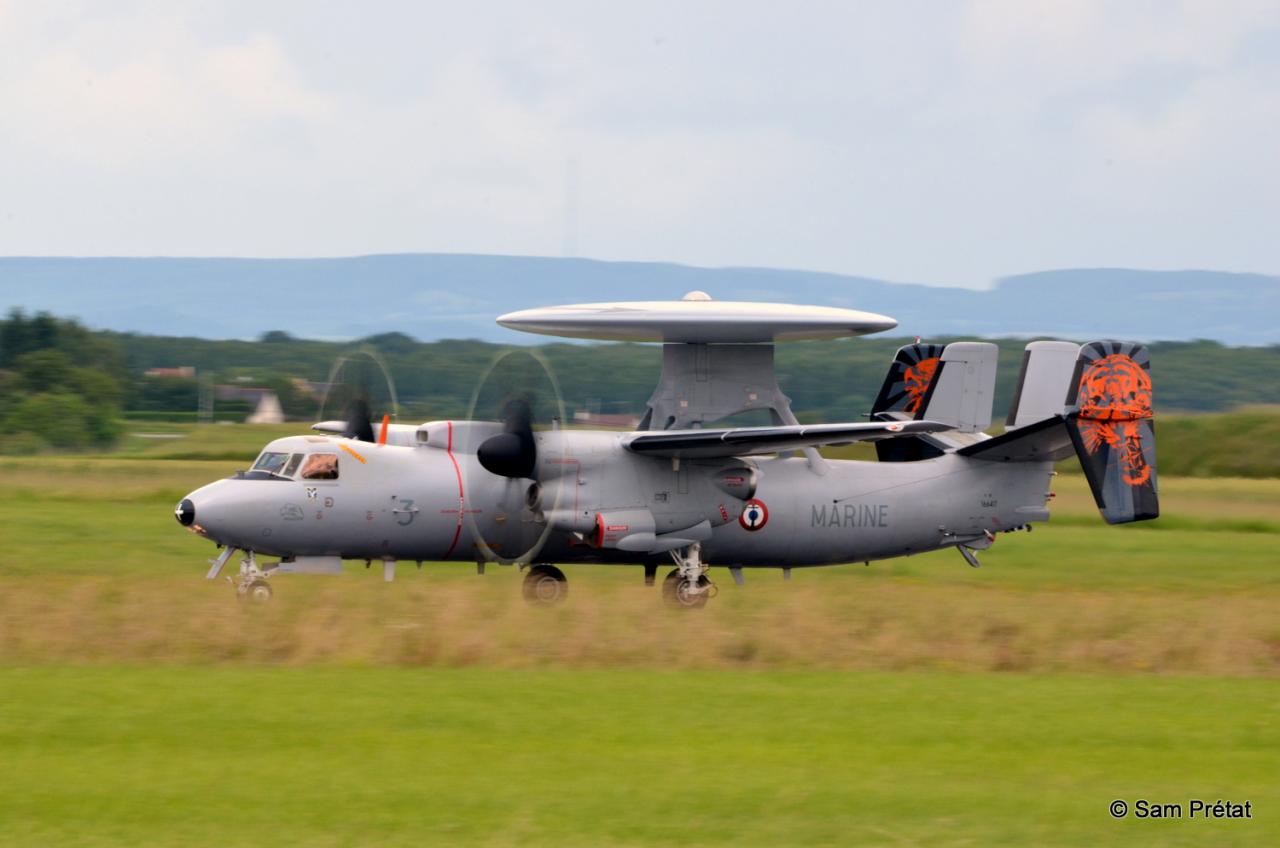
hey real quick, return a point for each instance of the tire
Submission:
(545, 586)
(258, 592)
(672, 592)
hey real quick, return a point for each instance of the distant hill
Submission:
(435, 296)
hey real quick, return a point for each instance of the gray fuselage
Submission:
(435, 502)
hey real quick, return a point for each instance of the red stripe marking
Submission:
(462, 505)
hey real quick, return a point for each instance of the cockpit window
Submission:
(294, 461)
(272, 463)
(321, 466)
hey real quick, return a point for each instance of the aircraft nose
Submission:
(185, 512)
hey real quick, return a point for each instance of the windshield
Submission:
(272, 463)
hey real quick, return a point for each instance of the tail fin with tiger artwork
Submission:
(1112, 425)
(951, 384)
(908, 382)
(902, 398)
(1105, 419)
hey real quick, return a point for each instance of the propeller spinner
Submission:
(513, 452)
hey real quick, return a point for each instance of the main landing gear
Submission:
(545, 585)
(687, 586)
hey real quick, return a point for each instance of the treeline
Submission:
(64, 386)
(826, 381)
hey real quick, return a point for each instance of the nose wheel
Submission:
(251, 583)
(258, 591)
(545, 586)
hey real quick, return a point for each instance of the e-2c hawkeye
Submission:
(680, 489)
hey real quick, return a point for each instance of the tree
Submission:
(59, 390)
(62, 420)
(45, 371)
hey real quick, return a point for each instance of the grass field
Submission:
(242, 756)
(914, 702)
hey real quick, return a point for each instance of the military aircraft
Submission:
(680, 489)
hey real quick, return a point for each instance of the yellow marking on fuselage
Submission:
(349, 450)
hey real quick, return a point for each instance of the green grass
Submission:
(372, 756)
(170, 440)
(1194, 592)
(915, 702)
(1236, 444)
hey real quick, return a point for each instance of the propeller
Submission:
(359, 424)
(513, 452)
(519, 390)
(358, 380)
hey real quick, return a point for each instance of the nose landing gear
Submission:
(257, 591)
(251, 583)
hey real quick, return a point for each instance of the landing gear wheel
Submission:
(680, 593)
(545, 585)
(259, 592)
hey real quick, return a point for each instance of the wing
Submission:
(744, 441)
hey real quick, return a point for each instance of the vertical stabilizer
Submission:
(1111, 423)
(963, 388)
(1047, 371)
(910, 375)
(953, 384)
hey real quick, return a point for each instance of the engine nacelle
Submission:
(624, 529)
(737, 481)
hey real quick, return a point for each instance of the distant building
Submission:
(185, 372)
(618, 420)
(267, 409)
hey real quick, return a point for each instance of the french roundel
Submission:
(755, 515)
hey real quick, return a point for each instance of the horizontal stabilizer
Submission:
(1047, 440)
(745, 441)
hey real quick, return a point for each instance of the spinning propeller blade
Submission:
(359, 382)
(358, 426)
(519, 390)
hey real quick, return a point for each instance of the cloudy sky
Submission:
(940, 142)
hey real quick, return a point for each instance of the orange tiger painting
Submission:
(916, 382)
(1114, 400)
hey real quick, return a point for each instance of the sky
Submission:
(948, 143)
